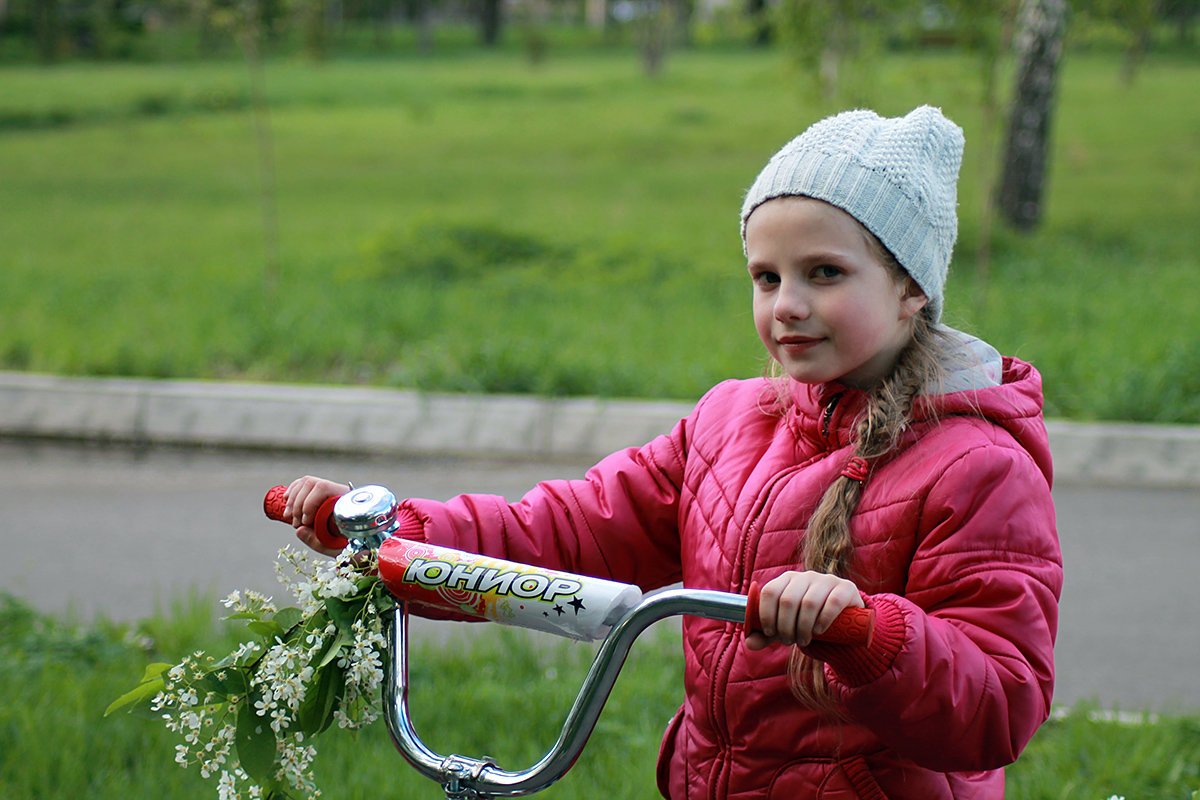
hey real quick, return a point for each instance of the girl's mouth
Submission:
(798, 344)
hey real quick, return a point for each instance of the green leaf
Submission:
(332, 649)
(268, 629)
(384, 602)
(155, 670)
(343, 613)
(288, 618)
(317, 621)
(143, 691)
(227, 661)
(316, 711)
(227, 682)
(255, 742)
(274, 791)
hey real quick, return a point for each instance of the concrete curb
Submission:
(394, 422)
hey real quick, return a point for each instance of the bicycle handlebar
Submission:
(471, 586)
(368, 515)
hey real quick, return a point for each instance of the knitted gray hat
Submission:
(897, 176)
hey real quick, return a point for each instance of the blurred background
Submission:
(541, 197)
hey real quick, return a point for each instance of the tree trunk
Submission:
(421, 17)
(760, 22)
(1139, 21)
(47, 25)
(381, 23)
(490, 22)
(314, 28)
(1041, 25)
(595, 12)
(654, 35)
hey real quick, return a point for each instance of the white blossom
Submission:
(282, 673)
(227, 787)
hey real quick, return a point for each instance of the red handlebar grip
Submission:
(327, 533)
(275, 502)
(852, 626)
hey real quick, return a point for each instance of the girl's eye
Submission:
(826, 272)
(765, 278)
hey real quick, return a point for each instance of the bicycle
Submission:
(365, 518)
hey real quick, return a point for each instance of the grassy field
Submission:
(475, 223)
(55, 745)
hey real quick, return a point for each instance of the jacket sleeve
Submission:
(970, 671)
(619, 522)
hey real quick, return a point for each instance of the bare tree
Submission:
(835, 42)
(760, 22)
(1138, 18)
(1041, 25)
(490, 20)
(243, 20)
(47, 26)
(1183, 14)
(312, 17)
(654, 34)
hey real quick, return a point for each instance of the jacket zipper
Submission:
(720, 776)
(827, 417)
(720, 672)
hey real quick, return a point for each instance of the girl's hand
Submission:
(796, 605)
(304, 497)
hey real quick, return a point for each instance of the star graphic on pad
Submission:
(579, 606)
(560, 610)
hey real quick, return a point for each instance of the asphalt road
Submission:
(112, 531)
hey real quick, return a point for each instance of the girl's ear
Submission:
(912, 298)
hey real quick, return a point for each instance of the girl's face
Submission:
(825, 305)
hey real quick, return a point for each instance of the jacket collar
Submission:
(826, 412)
(1015, 405)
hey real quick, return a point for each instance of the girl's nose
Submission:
(791, 302)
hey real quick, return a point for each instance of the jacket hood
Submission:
(1015, 405)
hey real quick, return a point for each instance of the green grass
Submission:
(500, 697)
(472, 223)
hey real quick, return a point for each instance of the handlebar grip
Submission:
(852, 626)
(327, 532)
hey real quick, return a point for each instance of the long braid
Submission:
(827, 546)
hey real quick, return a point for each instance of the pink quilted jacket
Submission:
(956, 549)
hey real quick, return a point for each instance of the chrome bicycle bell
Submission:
(366, 516)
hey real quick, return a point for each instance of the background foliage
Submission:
(473, 223)
(448, 217)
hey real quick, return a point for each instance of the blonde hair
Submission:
(827, 545)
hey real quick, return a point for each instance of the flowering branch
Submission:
(249, 718)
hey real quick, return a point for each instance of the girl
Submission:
(894, 463)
